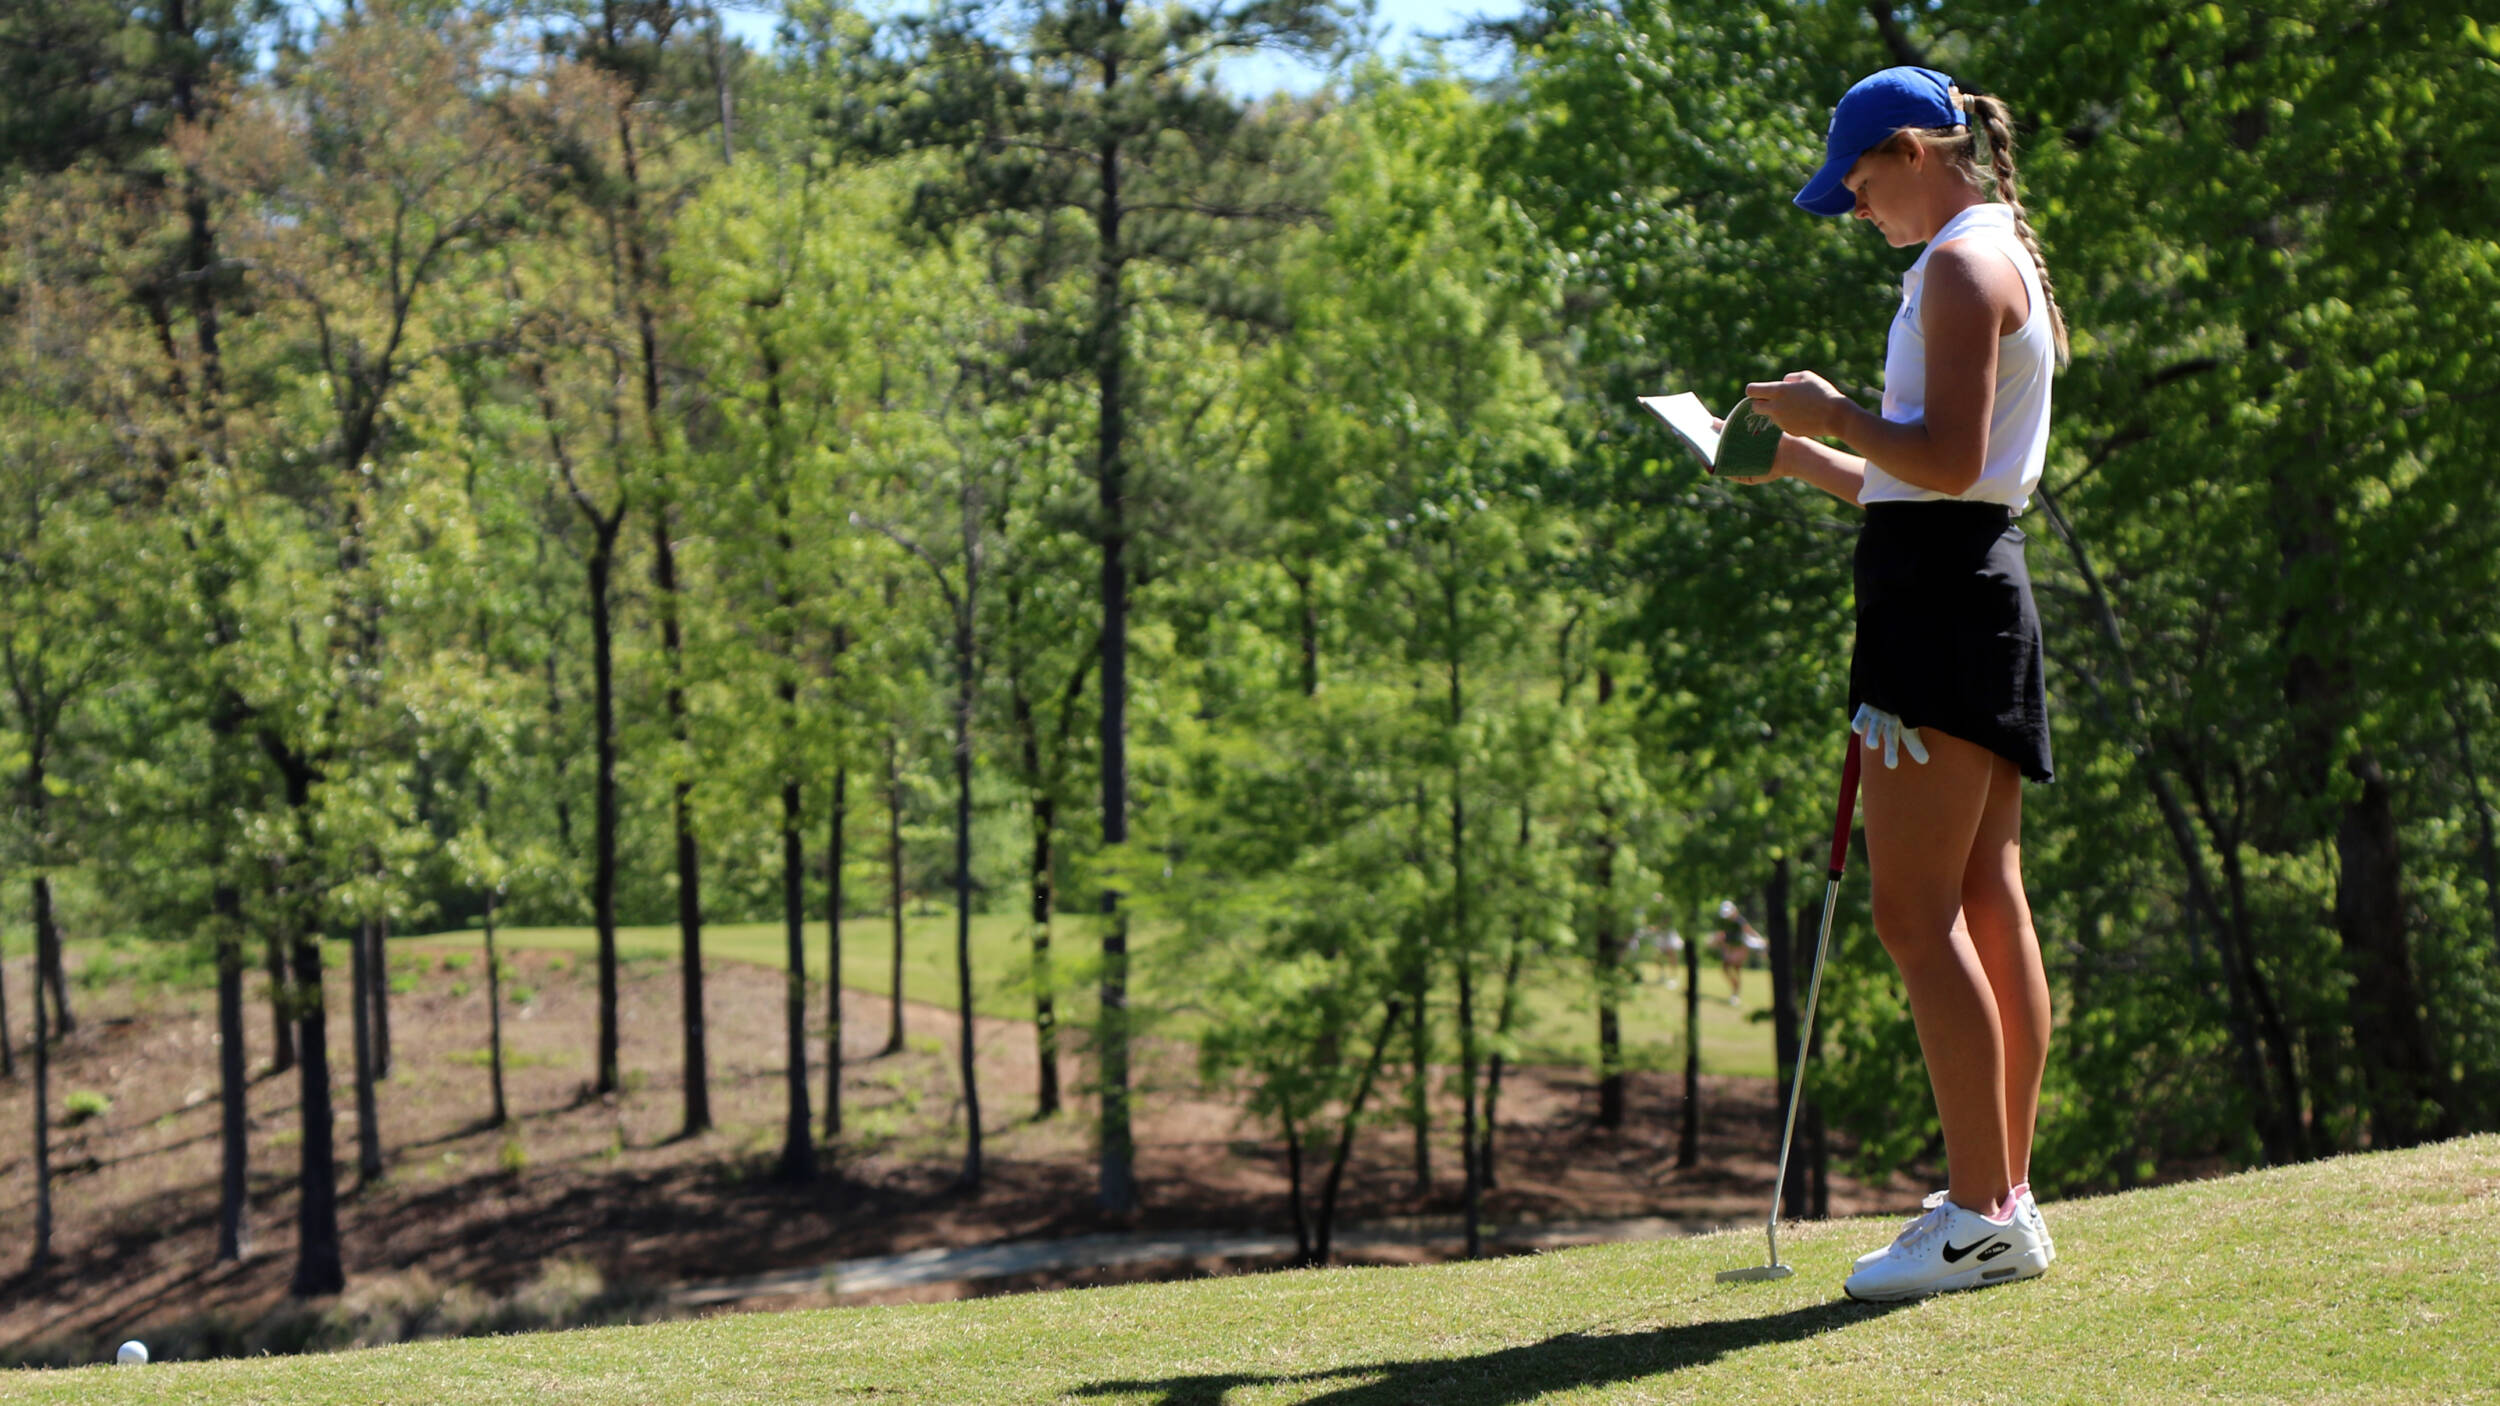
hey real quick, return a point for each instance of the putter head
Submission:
(1754, 1274)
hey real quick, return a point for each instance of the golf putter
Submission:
(1814, 989)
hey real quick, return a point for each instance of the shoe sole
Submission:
(2030, 1266)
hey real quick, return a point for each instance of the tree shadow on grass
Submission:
(1512, 1374)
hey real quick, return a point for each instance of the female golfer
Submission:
(1948, 663)
(1738, 942)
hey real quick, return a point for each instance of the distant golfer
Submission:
(1948, 661)
(1652, 943)
(1738, 942)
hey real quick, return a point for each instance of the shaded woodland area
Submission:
(549, 462)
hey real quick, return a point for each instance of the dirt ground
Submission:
(608, 1181)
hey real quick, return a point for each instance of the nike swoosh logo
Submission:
(1953, 1254)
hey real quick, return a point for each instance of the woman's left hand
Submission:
(1802, 403)
(1719, 426)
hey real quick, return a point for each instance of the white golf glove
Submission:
(1882, 729)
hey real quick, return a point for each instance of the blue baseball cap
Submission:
(1869, 113)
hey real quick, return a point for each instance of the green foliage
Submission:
(319, 413)
(2252, 429)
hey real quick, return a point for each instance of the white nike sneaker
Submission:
(1949, 1248)
(1926, 1206)
(2029, 1210)
(2024, 1206)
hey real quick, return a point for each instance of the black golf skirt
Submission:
(1948, 635)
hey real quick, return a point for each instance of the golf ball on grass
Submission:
(132, 1354)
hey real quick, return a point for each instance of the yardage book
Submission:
(1744, 448)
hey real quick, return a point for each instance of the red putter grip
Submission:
(1848, 808)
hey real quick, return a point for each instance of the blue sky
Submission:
(1406, 21)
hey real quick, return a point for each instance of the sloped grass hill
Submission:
(2372, 1278)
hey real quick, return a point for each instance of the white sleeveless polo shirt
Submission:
(2018, 426)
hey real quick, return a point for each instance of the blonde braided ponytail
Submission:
(1998, 123)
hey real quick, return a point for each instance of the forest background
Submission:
(552, 462)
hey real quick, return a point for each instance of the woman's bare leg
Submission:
(1998, 919)
(1922, 821)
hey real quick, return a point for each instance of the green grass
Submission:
(1001, 955)
(1560, 1025)
(2372, 1278)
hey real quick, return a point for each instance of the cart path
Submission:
(944, 1265)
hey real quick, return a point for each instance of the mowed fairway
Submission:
(2373, 1278)
(1560, 1024)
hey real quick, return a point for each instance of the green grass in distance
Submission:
(1560, 1025)
(2369, 1278)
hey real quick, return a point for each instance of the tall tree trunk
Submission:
(644, 273)
(8, 1046)
(1470, 1151)
(358, 645)
(2403, 1072)
(1505, 1019)
(494, 1019)
(833, 953)
(966, 679)
(798, 1147)
(2321, 694)
(1117, 1181)
(1688, 1128)
(894, 881)
(1608, 954)
(360, 1002)
(234, 1079)
(318, 1268)
(604, 837)
(1041, 788)
(53, 976)
(1306, 628)
(561, 756)
(681, 823)
(41, 1055)
(1045, 1001)
(234, 1238)
(1419, 1064)
(694, 1028)
(966, 1043)
(1345, 1132)
(380, 971)
(798, 1153)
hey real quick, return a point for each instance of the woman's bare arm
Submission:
(1969, 298)
(1810, 461)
